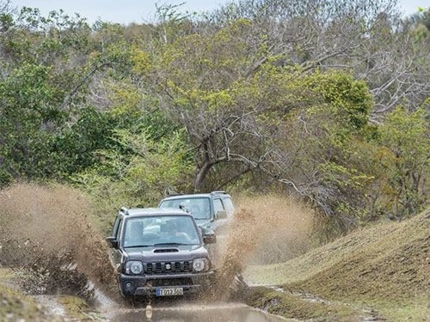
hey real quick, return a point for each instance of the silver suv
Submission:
(210, 210)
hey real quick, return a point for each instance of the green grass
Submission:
(381, 271)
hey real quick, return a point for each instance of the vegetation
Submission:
(376, 273)
(323, 101)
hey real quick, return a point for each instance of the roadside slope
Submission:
(385, 268)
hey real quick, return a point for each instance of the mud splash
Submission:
(46, 231)
(285, 228)
(265, 229)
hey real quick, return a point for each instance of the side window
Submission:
(218, 206)
(117, 228)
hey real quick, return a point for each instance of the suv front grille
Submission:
(168, 267)
(171, 282)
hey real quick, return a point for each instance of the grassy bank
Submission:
(382, 271)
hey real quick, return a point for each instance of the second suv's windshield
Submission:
(199, 207)
(160, 230)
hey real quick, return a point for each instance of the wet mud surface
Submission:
(187, 312)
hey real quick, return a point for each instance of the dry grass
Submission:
(386, 266)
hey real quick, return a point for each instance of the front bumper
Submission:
(147, 285)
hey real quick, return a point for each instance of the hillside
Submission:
(378, 273)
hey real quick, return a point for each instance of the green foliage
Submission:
(350, 97)
(171, 23)
(73, 150)
(116, 56)
(47, 128)
(234, 99)
(141, 176)
(47, 40)
(29, 113)
(406, 146)
(317, 122)
(425, 17)
(6, 21)
(330, 164)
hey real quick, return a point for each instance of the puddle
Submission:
(194, 312)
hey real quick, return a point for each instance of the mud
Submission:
(188, 312)
(48, 233)
(283, 228)
(264, 229)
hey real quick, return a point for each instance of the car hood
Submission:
(212, 227)
(167, 253)
(204, 224)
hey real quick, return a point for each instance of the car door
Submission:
(228, 205)
(116, 252)
(219, 223)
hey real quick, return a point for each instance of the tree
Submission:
(48, 64)
(406, 144)
(140, 176)
(367, 37)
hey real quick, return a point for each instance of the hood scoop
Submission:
(166, 250)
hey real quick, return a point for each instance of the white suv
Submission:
(210, 210)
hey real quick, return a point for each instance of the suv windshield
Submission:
(160, 230)
(199, 207)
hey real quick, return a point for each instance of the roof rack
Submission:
(124, 210)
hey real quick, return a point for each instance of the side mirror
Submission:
(222, 214)
(112, 241)
(209, 238)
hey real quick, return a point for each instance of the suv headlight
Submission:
(133, 267)
(201, 265)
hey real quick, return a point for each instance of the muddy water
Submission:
(193, 312)
(35, 234)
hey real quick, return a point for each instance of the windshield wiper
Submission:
(137, 246)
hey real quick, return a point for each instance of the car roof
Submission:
(153, 211)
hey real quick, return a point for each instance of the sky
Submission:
(140, 11)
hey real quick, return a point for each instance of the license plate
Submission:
(169, 291)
